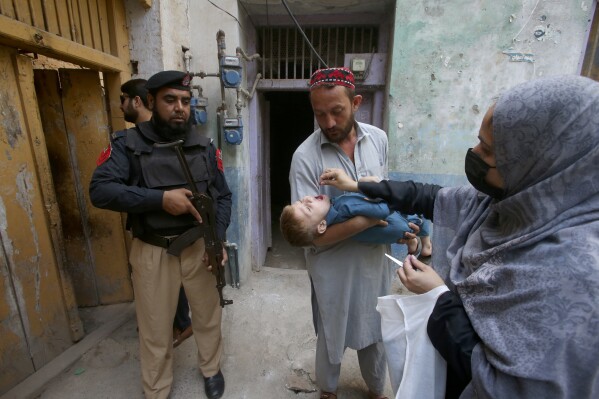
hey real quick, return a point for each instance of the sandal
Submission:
(425, 259)
(327, 395)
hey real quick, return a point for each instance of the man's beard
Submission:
(338, 134)
(170, 131)
(131, 115)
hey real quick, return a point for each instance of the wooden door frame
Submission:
(115, 67)
(590, 65)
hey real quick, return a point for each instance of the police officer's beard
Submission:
(131, 115)
(170, 131)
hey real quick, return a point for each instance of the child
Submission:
(308, 218)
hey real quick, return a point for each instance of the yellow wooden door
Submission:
(34, 321)
(76, 129)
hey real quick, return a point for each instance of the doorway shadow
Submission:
(291, 121)
(282, 255)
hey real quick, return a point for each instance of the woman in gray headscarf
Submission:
(519, 248)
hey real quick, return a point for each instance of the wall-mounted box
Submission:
(370, 69)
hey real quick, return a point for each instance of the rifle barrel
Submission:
(203, 204)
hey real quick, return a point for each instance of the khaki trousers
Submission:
(157, 277)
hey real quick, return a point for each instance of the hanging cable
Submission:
(304, 35)
(225, 11)
(235, 18)
(248, 14)
(367, 71)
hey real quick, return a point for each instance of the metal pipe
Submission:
(233, 263)
(221, 45)
(203, 74)
(222, 52)
(239, 102)
(187, 56)
(258, 77)
(250, 94)
(241, 53)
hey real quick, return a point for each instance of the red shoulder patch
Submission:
(219, 160)
(104, 155)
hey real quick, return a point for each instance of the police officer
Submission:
(134, 105)
(134, 101)
(135, 176)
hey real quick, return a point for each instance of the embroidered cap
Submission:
(332, 76)
(173, 79)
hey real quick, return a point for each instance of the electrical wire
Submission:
(303, 34)
(248, 14)
(367, 72)
(267, 22)
(234, 17)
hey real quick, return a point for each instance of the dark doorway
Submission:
(291, 122)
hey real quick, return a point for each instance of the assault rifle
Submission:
(204, 205)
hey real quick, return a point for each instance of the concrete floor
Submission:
(282, 255)
(269, 345)
(268, 335)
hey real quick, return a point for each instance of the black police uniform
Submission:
(136, 174)
(132, 179)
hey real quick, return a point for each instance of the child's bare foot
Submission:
(427, 246)
(412, 245)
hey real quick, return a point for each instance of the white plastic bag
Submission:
(416, 369)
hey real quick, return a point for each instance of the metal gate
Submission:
(287, 56)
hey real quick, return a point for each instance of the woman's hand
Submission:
(418, 277)
(338, 178)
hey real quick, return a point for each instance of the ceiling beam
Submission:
(17, 34)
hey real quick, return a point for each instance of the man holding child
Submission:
(347, 276)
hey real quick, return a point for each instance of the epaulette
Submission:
(118, 134)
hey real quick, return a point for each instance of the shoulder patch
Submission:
(104, 155)
(219, 160)
(118, 134)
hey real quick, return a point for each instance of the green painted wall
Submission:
(448, 63)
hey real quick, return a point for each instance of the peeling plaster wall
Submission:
(174, 29)
(145, 40)
(157, 34)
(451, 58)
(206, 20)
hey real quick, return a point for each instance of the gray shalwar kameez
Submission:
(346, 277)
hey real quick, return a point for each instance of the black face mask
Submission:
(476, 170)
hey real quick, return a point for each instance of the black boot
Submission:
(214, 386)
